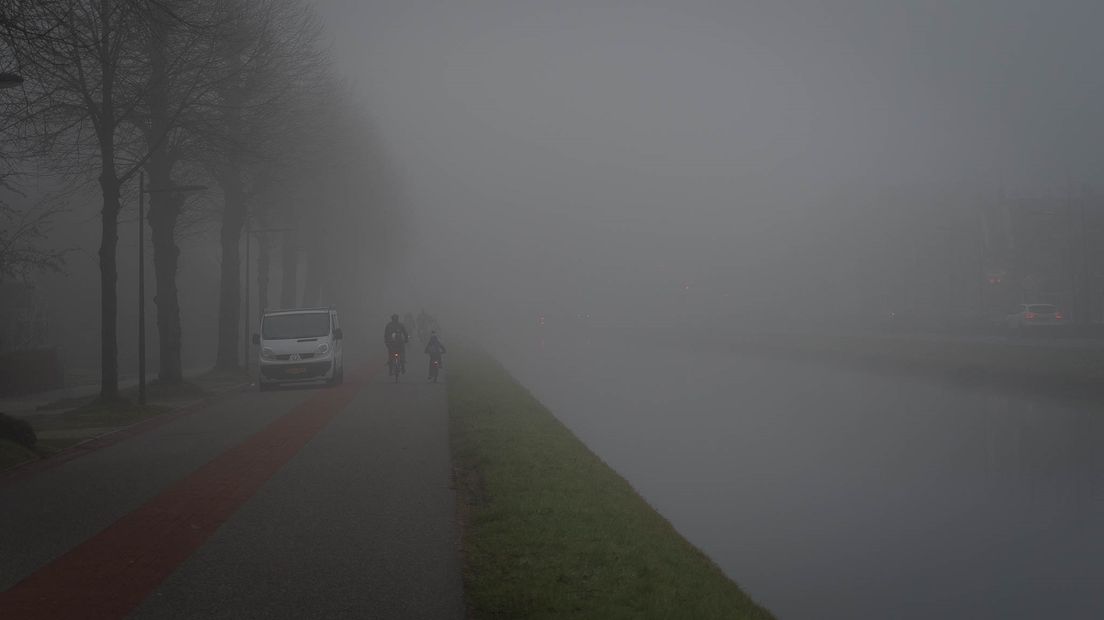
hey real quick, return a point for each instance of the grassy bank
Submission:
(551, 531)
(12, 454)
(56, 431)
(61, 430)
(69, 421)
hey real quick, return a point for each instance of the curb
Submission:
(28, 469)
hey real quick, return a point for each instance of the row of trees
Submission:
(237, 95)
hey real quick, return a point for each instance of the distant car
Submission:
(1029, 316)
(300, 345)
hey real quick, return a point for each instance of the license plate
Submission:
(295, 371)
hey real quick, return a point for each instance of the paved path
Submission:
(306, 503)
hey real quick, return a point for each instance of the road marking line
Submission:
(111, 573)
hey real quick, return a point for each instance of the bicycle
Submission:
(434, 369)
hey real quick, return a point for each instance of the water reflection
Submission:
(833, 492)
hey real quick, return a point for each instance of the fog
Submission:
(552, 177)
(664, 160)
(750, 167)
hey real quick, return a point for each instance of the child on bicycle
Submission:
(435, 350)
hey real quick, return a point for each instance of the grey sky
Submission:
(620, 145)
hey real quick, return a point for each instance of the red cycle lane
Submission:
(108, 575)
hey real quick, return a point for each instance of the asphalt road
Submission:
(305, 503)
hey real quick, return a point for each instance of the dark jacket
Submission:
(395, 334)
(434, 347)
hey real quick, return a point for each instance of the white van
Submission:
(299, 345)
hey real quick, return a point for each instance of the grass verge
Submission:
(58, 431)
(96, 416)
(550, 531)
(12, 454)
(69, 421)
(155, 390)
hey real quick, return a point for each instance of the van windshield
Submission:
(291, 326)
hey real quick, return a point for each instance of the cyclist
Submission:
(435, 350)
(423, 324)
(395, 337)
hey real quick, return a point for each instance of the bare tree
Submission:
(22, 233)
(84, 78)
(269, 52)
(237, 90)
(359, 226)
(22, 229)
(182, 74)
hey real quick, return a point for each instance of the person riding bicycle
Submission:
(395, 337)
(435, 350)
(423, 325)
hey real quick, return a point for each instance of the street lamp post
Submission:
(248, 337)
(141, 288)
(142, 191)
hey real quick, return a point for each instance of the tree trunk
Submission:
(109, 222)
(316, 270)
(164, 210)
(289, 270)
(264, 251)
(165, 207)
(233, 219)
(109, 275)
(289, 265)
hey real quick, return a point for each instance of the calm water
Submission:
(832, 492)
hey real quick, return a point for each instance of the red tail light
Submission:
(1058, 316)
(1030, 316)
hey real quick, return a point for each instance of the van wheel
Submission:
(263, 387)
